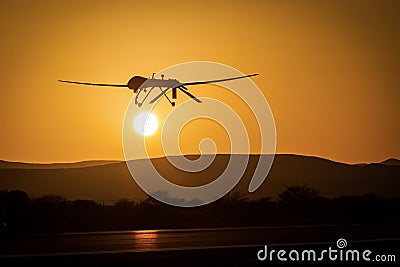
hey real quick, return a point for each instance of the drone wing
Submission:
(217, 81)
(95, 84)
(182, 85)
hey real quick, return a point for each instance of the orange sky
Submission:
(329, 70)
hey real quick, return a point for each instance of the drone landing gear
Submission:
(139, 104)
(169, 100)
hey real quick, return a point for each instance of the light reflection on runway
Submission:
(145, 239)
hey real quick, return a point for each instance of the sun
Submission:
(145, 123)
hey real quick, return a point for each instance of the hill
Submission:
(112, 180)
(81, 164)
(391, 162)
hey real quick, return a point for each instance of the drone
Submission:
(139, 85)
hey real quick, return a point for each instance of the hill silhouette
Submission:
(391, 162)
(81, 164)
(111, 181)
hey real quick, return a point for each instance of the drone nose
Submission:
(135, 82)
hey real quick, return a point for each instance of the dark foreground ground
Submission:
(235, 256)
(52, 231)
(199, 247)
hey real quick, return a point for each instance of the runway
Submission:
(112, 242)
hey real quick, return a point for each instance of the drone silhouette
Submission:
(140, 84)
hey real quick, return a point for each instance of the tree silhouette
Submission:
(298, 194)
(13, 208)
(50, 201)
(125, 203)
(296, 205)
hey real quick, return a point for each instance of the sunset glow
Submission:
(331, 79)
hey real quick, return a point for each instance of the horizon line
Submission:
(191, 154)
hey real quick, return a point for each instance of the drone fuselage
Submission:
(170, 83)
(140, 84)
(137, 83)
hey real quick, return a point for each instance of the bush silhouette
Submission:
(298, 194)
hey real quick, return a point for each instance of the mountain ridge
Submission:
(113, 181)
(391, 161)
(90, 163)
(56, 165)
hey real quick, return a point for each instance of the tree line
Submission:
(296, 205)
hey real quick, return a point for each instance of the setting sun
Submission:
(145, 123)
